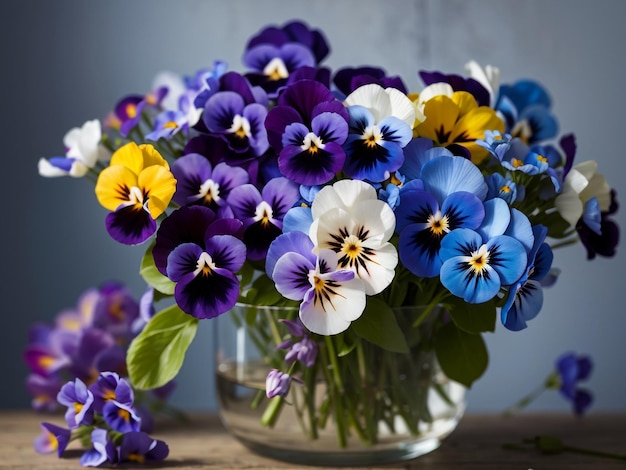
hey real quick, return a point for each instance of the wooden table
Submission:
(476, 444)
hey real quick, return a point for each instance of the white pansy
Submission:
(581, 184)
(350, 220)
(428, 93)
(383, 103)
(83, 149)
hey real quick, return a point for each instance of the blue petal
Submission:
(297, 219)
(592, 216)
(459, 242)
(415, 207)
(520, 229)
(419, 251)
(395, 130)
(497, 218)
(444, 175)
(508, 257)
(522, 306)
(207, 296)
(464, 210)
(360, 118)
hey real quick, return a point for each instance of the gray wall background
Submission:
(68, 61)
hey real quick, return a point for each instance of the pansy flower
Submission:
(204, 267)
(571, 370)
(456, 119)
(349, 219)
(275, 53)
(238, 123)
(102, 450)
(140, 448)
(83, 149)
(79, 401)
(137, 187)
(262, 212)
(451, 196)
(307, 128)
(381, 120)
(525, 106)
(120, 416)
(199, 183)
(331, 295)
(597, 231)
(53, 439)
(458, 83)
(477, 263)
(111, 387)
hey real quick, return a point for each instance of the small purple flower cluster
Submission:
(104, 418)
(83, 341)
(301, 348)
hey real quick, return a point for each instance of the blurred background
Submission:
(68, 61)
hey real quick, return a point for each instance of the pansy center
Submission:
(522, 130)
(170, 125)
(264, 213)
(275, 69)
(516, 162)
(438, 224)
(131, 110)
(210, 191)
(204, 265)
(479, 260)
(372, 135)
(124, 414)
(135, 196)
(240, 127)
(312, 143)
(324, 290)
(505, 189)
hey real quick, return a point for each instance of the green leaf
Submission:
(462, 356)
(152, 276)
(156, 355)
(379, 326)
(473, 318)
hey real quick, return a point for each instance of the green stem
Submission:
(524, 402)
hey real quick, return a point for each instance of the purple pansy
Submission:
(275, 53)
(138, 447)
(204, 271)
(44, 391)
(238, 123)
(102, 450)
(79, 401)
(111, 387)
(262, 212)
(571, 369)
(198, 182)
(120, 417)
(307, 129)
(53, 439)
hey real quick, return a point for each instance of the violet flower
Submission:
(79, 401)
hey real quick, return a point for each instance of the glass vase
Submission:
(358, 404)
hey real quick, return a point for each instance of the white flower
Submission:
(349, 219)
(83, 149)
(383, 103)
(581, 184)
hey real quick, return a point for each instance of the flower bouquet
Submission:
(360, 236)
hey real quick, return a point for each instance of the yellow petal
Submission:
(465, 101)
(113, 186)
(159, 185)
(151, 156)
(130, 156)
(441, 115)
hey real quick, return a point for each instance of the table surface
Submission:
(476, 444)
